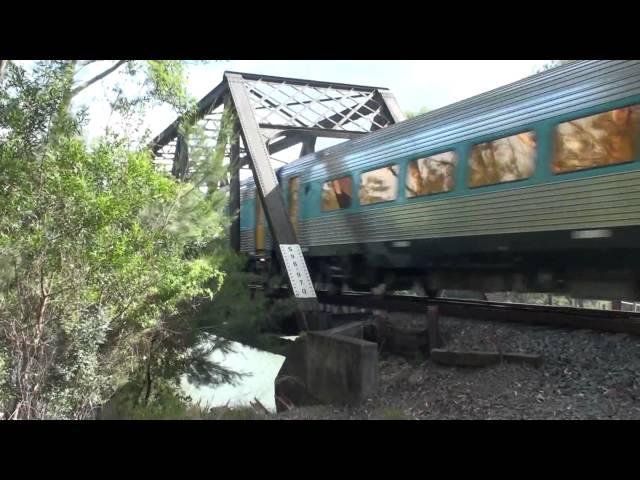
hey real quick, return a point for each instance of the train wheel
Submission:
(419, 289)
(334, 287)
(317, 281)
(380, 290)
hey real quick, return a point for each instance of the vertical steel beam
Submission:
(288, 249)
(389, 101)
(234, 187)
(181, 158)
(308, 146)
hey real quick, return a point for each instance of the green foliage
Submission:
(239, 313)
(104, 259)
(418, 359)
(422, 111)
(553, 64)
(164, 82)
(238, 413)
(167, 79)
(5, 379)
(393, 414)
(166, 403)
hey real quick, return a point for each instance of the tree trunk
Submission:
(149, 381)
(98, 77)
(68, 93)
(3, 66)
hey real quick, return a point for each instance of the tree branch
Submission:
(98, 77)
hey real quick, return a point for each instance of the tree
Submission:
(422, 111)
(102, 257)
(553, 64)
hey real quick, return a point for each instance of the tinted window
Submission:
(379, 185)
(294, 185)
(337, 194)
(432, 174)
(597, 140)
(503, 160)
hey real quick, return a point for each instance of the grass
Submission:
(394, 414)
(237, 413)
(172, 408)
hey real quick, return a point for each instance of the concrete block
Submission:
(318, 320)
(341, 369)
(353, 329)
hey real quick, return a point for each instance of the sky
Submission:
(415, 83)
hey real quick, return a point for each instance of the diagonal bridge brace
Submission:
(297, 112)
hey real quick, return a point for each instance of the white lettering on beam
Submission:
(297, 270)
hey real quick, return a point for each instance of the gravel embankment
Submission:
(585, 375)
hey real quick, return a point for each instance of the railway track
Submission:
(547, 315)
(556, 316)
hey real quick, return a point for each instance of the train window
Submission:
(598, 140)
(503, 160)
(379, 185)
(433, 174)
(294, 185)
(336, 194)
(260, 226)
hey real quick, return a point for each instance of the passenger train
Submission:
(534, 186)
